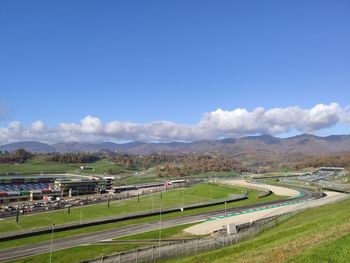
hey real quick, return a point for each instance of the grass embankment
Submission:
(334, 251)
(315, 235)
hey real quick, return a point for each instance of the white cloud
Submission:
(91, 125)
(38, 126)
(216, 124)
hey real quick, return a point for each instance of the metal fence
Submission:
(192, 246)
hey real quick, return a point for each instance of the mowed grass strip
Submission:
(170, 232)
(251, 200)
(79, 254)
(323, 230)
(171, 198)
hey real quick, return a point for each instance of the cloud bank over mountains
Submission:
(213, 125)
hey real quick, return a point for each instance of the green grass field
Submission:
(78, 254)
(334, 251)
(315, 235)
(170, 232)
(149, 175)
(39, 165)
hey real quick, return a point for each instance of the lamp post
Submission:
(210, 186)
(81, 212)
(160, 225)
(52, 230)
(182, 198)
(152, 200)
(17, 214)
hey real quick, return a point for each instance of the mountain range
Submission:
(303, 144)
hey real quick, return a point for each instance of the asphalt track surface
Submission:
(88, 238)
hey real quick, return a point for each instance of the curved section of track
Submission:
(278, 190)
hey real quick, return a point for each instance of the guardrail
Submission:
(263, 194)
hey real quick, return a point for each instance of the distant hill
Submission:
(32, 146)
(264, 144)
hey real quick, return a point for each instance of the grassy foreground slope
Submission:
(334, 251)
(315, 235)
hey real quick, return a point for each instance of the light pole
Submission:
(210, 188)
(160, 225)
(17, 214)
(225, 208)
(81, 212)
(182, 198)
(152, 200)
(52, 230)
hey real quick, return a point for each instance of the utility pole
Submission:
(210, 188)
(17, 214)
(81, 212)
(152, 201)
(52, 230)
(182, 198)
(160, 226)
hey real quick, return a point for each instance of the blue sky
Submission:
(148, 61)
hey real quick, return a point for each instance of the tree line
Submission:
(196, 164)
(18, 156)
(73, 157)
(336, 160)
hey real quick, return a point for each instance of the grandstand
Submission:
(23, 187)
(323, 173)
(15, 188)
